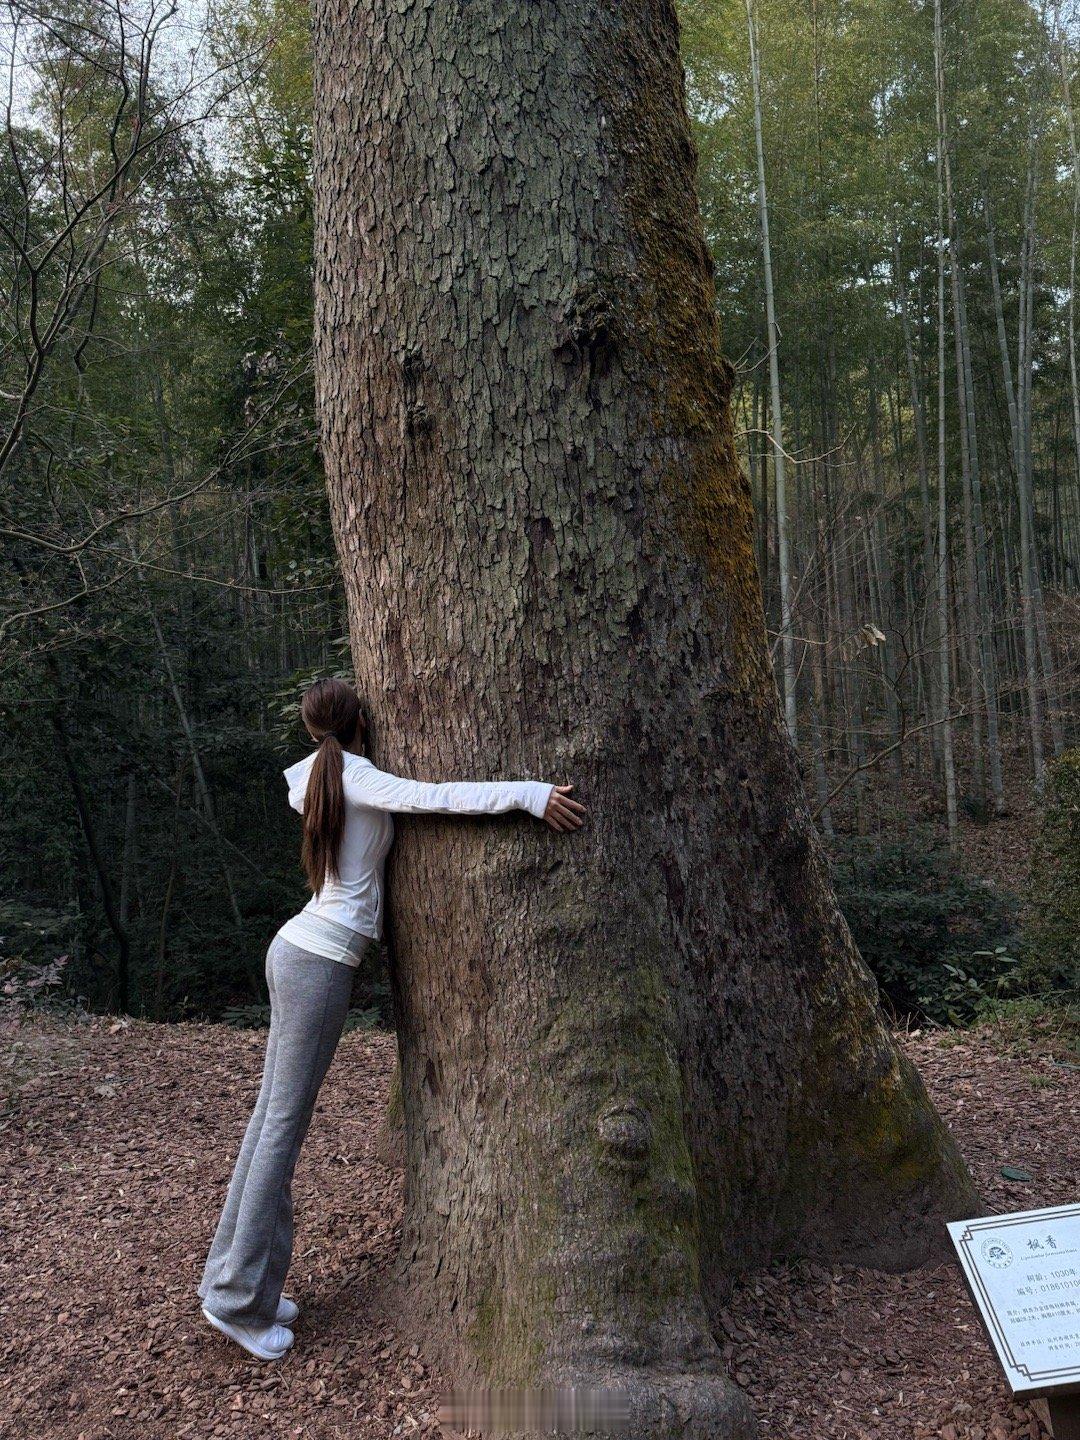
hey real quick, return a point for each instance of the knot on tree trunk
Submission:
(418, 418)
(625, 1136)
(587, 331)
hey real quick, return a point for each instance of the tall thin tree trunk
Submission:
(1029, 598)
(1014, 399)
(783, 561)
(126, 873)
(972, 613)
(879, 562)
(759, 480)
(984, 670)
(929, 568)
(944, 691)
(97, 861)
(986, 633)
(161, 959)
(1073, 550)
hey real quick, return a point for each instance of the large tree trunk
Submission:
(641, 1060)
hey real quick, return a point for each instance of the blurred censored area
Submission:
(568, 1410)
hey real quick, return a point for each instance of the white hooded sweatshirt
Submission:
(348, 910)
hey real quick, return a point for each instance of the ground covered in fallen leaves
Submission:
(116, 1142)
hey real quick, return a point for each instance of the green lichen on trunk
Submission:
(863, 1125)
(676, 332)
(506, 1336)
(608, 1181)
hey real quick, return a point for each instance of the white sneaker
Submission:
(287, 1311)
(269, 1343)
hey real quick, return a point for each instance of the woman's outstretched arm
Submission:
(379, 790)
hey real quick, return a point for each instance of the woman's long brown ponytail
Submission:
(331, 712)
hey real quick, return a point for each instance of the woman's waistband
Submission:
(322, 936)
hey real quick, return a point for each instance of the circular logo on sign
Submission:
(997, 1254)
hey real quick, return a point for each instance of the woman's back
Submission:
(353, 895)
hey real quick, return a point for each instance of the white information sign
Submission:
(1023, 1271)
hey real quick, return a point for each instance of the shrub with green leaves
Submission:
(934, 938)
(34, 955)
(1052, 939)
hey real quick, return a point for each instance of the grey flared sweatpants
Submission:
(245, 1270)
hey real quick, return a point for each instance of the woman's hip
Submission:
(305, 981)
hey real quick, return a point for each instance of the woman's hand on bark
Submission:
(562, 813)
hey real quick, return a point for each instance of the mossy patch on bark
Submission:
(675, 329)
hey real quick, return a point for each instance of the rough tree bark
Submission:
(639, 1061)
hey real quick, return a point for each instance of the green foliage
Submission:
(33, 934)
(966, 992)
(930, 934)
(189, 376)
(246, 1017)
(1052, 939)
(34, 955)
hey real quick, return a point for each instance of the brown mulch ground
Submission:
(847, 1354)
(116, 1143)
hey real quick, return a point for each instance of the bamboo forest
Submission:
(891, 195)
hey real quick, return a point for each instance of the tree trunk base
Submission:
(631, 1404)
(661, 1405)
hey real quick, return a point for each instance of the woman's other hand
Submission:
(562, 813)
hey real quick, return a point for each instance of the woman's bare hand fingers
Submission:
(563, 813)
(562, 794)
